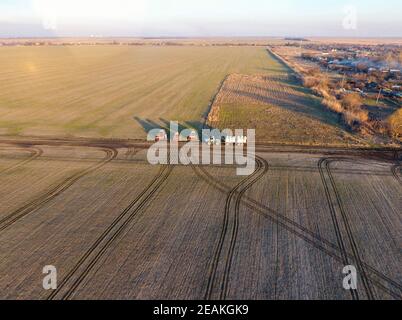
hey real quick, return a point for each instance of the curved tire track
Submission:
(263, 169)
(238, 191)
(36, 152)
(335, 222)
(352, 242)
(320, 243)
(37, 203)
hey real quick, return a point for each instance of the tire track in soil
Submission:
(263, 169)
(36, 152)
(37, 203)
(335, 222)
(368, 267)
(346, 223)
(218, 251)
(100, 246)
(303, 233)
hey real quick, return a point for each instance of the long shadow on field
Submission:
(381, 112)
(304, 105)
(148, 125)
(166, 124)
(186, 125)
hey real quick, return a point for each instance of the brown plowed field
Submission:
(122, 229)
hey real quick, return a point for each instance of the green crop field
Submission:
(112, 91)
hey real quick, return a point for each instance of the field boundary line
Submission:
(211, 106)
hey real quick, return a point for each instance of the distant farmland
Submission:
(111, 91)
(280, 109)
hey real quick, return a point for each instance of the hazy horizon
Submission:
(179, 18)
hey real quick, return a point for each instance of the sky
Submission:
(200, 18)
